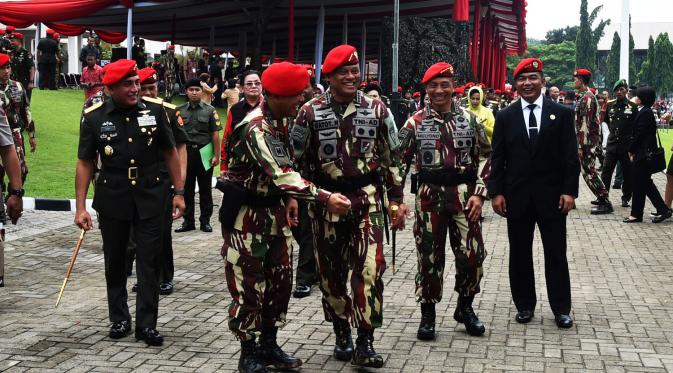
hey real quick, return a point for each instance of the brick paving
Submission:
(622, 287)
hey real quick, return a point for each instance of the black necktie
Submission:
(532, 125)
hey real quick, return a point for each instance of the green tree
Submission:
(558, 59)
(645, 74)
(587, 37)
(559, 35)
(662, 79)
(613, 60)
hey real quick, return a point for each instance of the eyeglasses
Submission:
(253, 84)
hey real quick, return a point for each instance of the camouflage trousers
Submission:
(589, 172)
(354, 246)
(468, 249)
(258, 270)
(170, 86)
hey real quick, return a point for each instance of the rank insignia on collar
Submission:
(552, 117)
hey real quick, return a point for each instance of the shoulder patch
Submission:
(169, 105)
(93, 107)
(153, 100)
(611, 101)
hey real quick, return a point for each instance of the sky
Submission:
(545, 15)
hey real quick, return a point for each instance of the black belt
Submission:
(132, 173)
(347, 185)
(244, 196)
(446, 178)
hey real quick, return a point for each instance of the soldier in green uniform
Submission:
(451, 151)
(23, 66)
(131, 135)
(619, 116)
(257, 211)
(349, 144)
(202, 125)
(170, 67)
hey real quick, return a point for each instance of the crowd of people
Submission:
(327, 162)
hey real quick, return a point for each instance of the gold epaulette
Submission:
(93, 107)
(611, 101)
(169, 105)
(153, 100)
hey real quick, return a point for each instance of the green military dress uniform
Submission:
(22, 62)
(619, 116)
(200, 121)
(130, 192)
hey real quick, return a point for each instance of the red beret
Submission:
(171, 47)
(498, 92)
(582, 72)
(10, 29)
(468, 85)
(57, 35)
(2, 32)
(16, 35)
(285, 79)
(4, 59)
(417, 94)
(528, 65)
(399, 88)
(562, 92)
(439, 69)
(342, 55)
(460, 90)
(119, 70)
(147, 75)
(50, 31)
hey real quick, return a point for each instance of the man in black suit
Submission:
(534, 180)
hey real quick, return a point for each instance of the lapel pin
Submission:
(552, 117)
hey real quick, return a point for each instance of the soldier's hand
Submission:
(338, 204)
(33, 144)
(473, 208)
(178, 206)
(215, 160)
(499, 205)
(14, 208)
(566, 203)
(399, 222)
(580, 153)
(292, 212)
(83, 220)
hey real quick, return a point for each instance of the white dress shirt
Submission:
(537, 112)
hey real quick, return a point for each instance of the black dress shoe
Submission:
(134, 288)
(302, 291)
(617, 186)
(150, 335)
(663, 216)
(206, 228)
(631, 219)
(185, 228)
(625, 202)
(596, 202)
(604, 208)
(524, 317)
(563, 321)
(120, 329)
(166, 288)
(2, 282)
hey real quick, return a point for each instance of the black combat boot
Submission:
(248, 362)
(426, 330)
(364, 355)
(343, 348)
(271, 354)
(604, 207)
(465, 314)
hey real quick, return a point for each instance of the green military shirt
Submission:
(200, 121)
(619, 116)
(21, 62)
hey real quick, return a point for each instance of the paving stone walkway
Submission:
(622, 284)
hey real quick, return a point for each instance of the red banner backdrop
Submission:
(74, 30)
(35, 11)
(461, 10)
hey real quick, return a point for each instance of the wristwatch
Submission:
(179, 192)
(17, 192)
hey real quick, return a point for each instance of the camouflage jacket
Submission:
(260, 160)
(455, 142)
(22, 62)
(340, 144)
(17, 106)
(168, 64)
(587, 124)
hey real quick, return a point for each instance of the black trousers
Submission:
(643, 186)
(197, 174)
(307, 268)
(521, 273)
(611, 160)
(47, 75)
(147, 233)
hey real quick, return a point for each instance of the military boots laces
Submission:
(465, 314)
(364, 355)
(426, 330)
(343, 348)
(248, 362)
(271, 354)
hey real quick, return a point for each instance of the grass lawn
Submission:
(51, 169)
(57, 114)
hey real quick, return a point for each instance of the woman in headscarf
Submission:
(484, 115)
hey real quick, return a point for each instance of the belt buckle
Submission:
(133, 173)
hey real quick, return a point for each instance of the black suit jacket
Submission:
(644, 134)
(534, 175)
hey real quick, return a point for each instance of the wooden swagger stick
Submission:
(70, 267)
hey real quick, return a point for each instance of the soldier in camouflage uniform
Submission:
(451, 151)
(588, 128)
(169, 65)
(349, 143)
(23, 67)
(255, 212)
(19, 116)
